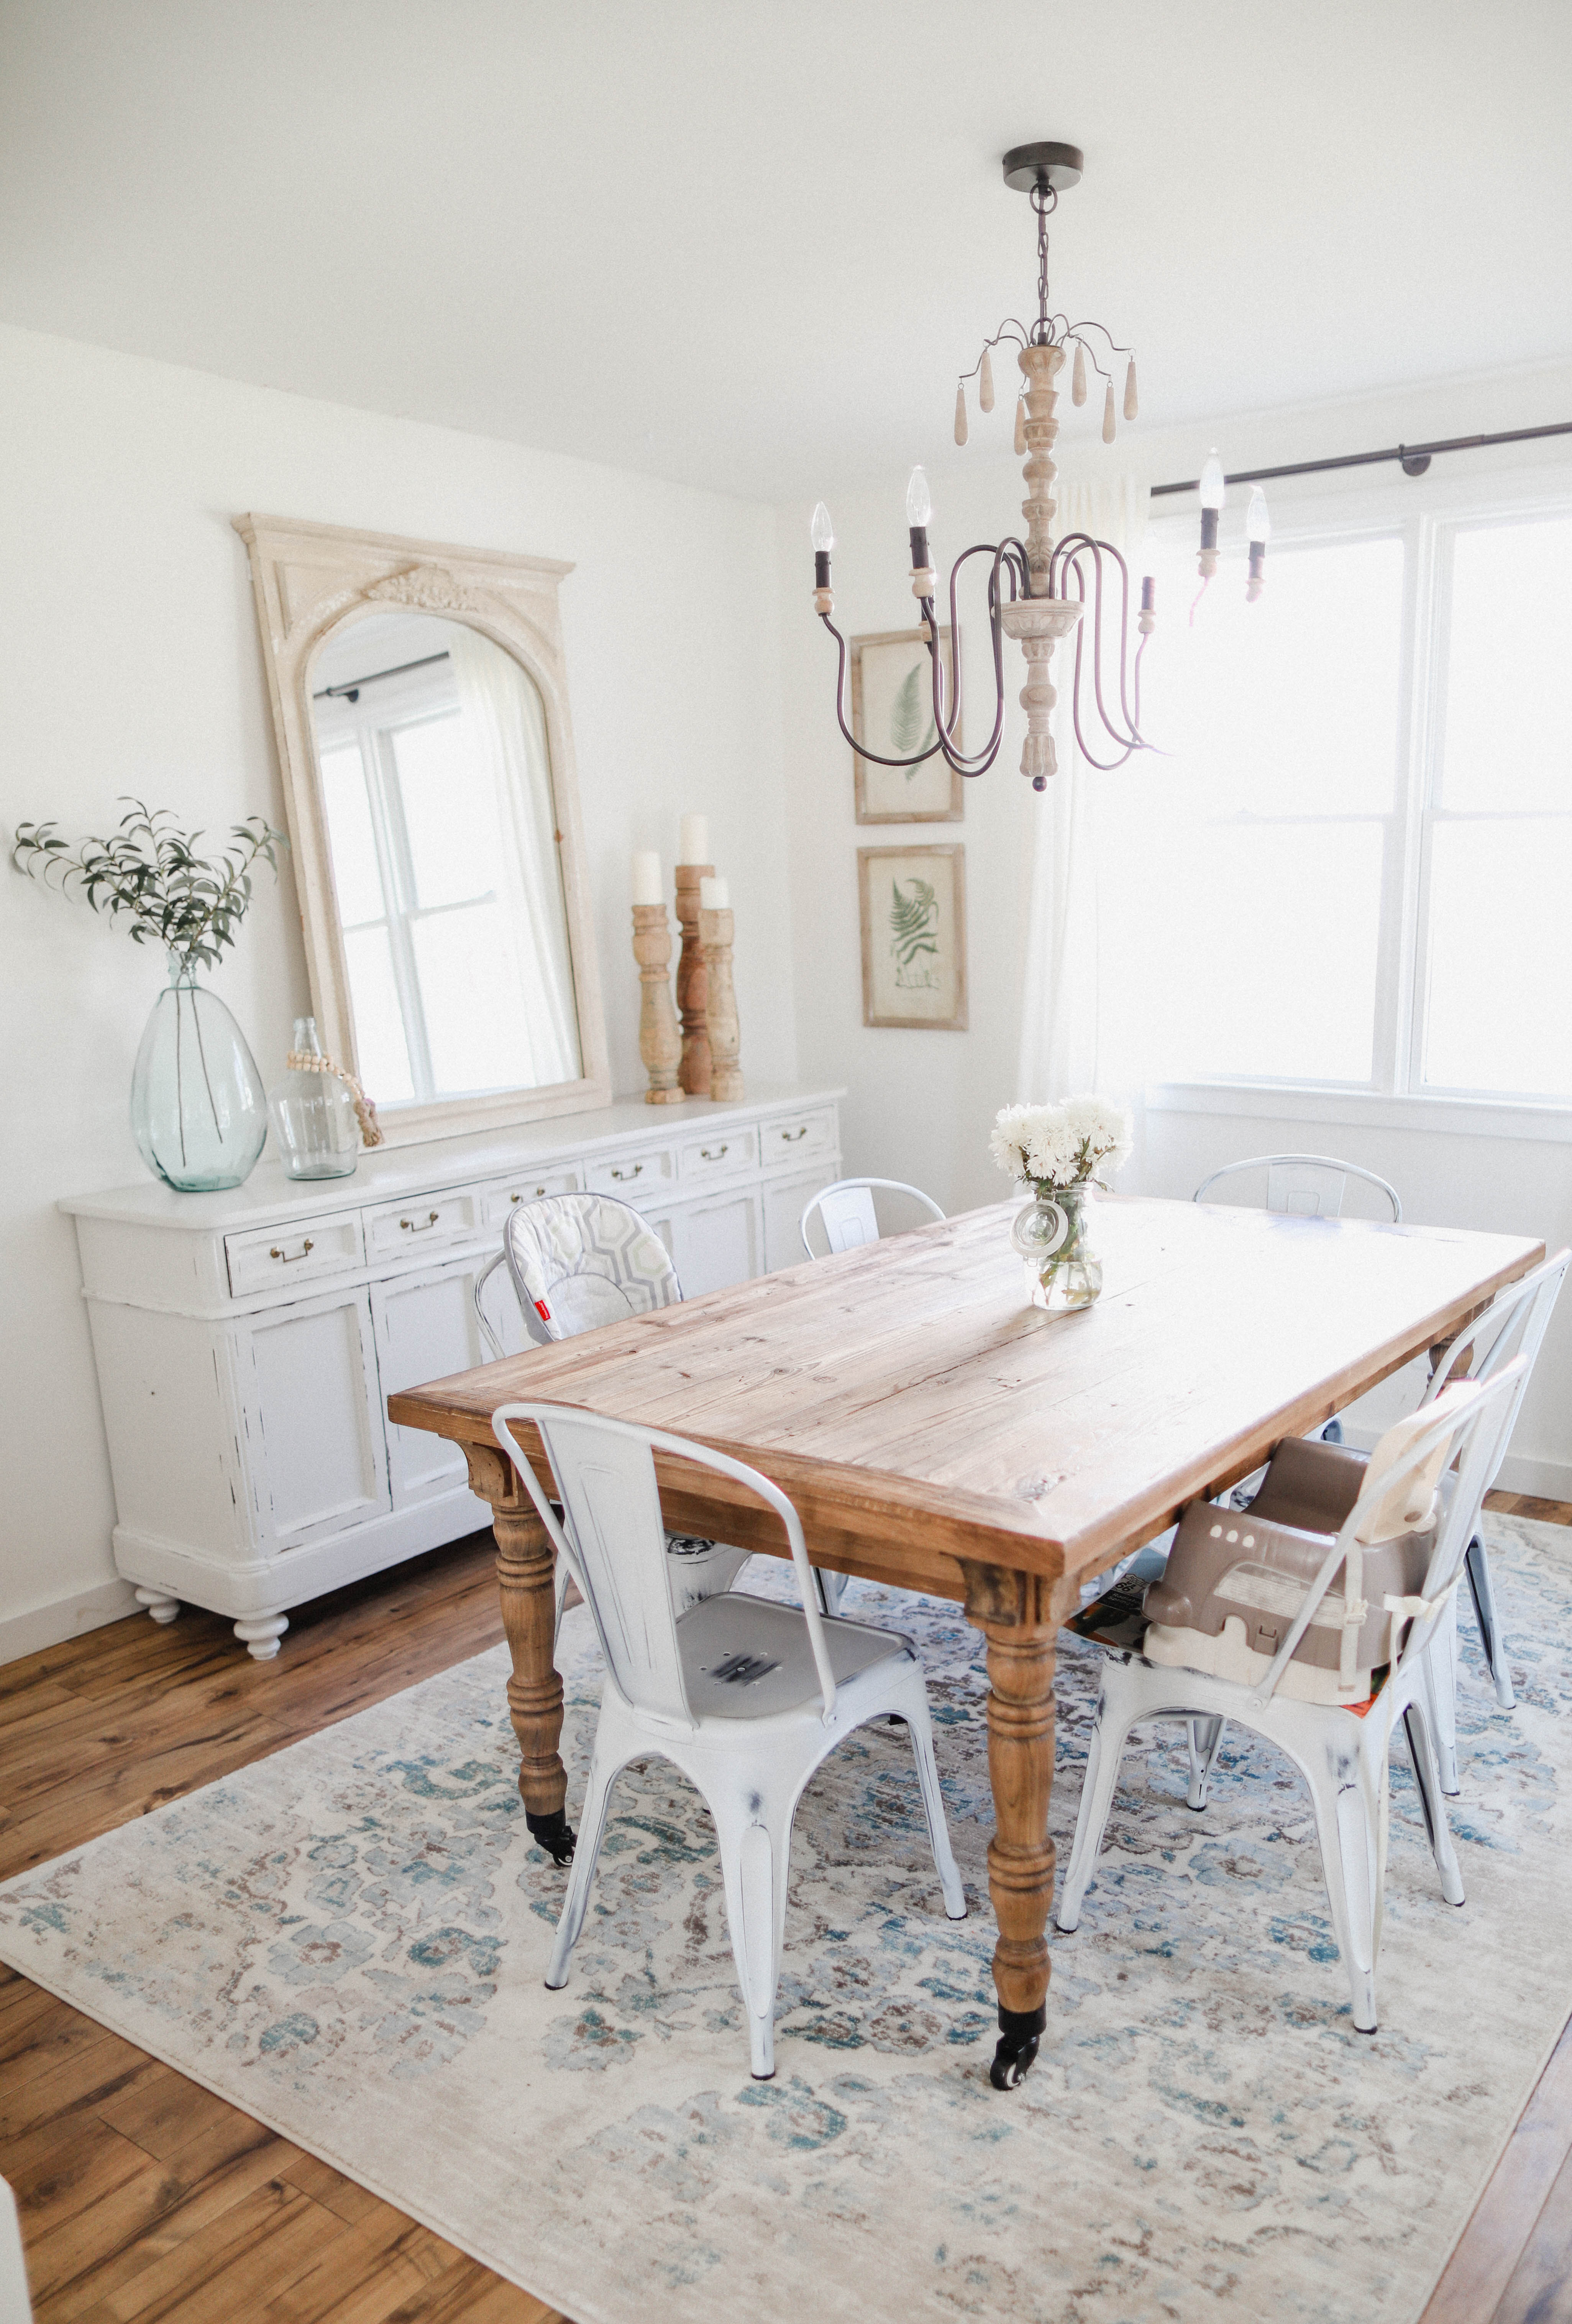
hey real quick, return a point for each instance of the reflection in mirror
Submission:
(435, 785)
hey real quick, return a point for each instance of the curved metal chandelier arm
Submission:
(972, 762)
(1066, 562)
(860, 748)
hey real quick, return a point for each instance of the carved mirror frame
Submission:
(309, 580)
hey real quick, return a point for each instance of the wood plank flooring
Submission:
(146, 2201)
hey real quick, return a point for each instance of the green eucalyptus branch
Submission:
(148, 870)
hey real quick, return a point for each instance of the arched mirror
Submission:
(424, 722)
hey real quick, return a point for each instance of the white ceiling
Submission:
(750, 246)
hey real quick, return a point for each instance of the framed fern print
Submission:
(913, 906)
(892, 713)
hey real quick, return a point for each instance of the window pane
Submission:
(379, 1024)
(475, 1016)
(1288, 707)
(1500, 970)
(1270, 961)
(1506, 743)
(450, 811)
(355, 872)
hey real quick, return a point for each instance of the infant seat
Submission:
(1235, 1579)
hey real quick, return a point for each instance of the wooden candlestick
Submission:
(694, 1071)
(720, 1007)
(660, 1041)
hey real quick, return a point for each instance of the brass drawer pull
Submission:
(426, 1224)
(519, 1198)
(636, 1172)
(705, 1156)
(290, 1257)
(791, 1137)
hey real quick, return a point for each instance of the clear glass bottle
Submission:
(197, 1112)
(1053, 1236)
(314, 1115)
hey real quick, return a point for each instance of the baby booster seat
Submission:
(1235, 1579)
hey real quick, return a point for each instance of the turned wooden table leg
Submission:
(526, 1578)
(1019, 1615)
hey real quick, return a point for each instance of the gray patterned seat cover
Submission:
(578, 1260)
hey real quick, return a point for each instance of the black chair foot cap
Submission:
(554, 1833)
(1019, 2032)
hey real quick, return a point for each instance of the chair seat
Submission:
(746, 1657)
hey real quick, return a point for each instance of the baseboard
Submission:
(1520, 1473)
(38, 1626)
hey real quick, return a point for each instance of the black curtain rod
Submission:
(352, 686)
(1415, 458)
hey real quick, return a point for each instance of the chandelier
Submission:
(1040, 590)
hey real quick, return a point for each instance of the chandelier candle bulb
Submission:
(1257, 532)
(822, 534)
(1131, 400)
(1078, 376)
(1147, 622)
(986, 382)
(659, 1035)
(647, 884)
(715, 926)
(1213, 494)
(960, 415)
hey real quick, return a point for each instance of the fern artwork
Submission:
(893, 718)
(914, 942)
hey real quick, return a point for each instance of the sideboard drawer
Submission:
(718, 1155)
(528, 1186)
(292, 1255)
(793, 1142)
(635, 1175)
(423, 1223)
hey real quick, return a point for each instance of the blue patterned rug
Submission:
(349, 1940)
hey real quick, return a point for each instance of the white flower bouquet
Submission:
(1046, 1147)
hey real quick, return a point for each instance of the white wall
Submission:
(129, 661)
(920, 1103)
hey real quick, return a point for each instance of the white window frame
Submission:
(1396, 1096)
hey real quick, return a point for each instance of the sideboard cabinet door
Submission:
(426, 1329)
(717, 1243)
(784, 1204)
(313, 1418)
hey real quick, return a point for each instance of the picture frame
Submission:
(912, 905)
(892, 712)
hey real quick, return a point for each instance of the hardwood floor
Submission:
(144, 2198)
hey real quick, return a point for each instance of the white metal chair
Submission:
(14, 2305)
(1341, 1750)
(745, 1695)
(1512, 1325)
(1313, 1184)
(575, 1261)
(846, 1212)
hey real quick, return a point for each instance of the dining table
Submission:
(938, 1431)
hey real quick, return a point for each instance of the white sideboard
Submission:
(247, 1342)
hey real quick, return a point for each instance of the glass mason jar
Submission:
(314, 1115)
(1053, 1236)
(197, 1112)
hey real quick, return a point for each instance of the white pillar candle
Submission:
(714, 896)
(694, 847)
(647, 888)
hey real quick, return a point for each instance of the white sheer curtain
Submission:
(504, 720)
(1074, 1034)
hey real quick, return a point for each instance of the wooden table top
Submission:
(919, 1410)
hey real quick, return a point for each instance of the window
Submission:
(1358, 850)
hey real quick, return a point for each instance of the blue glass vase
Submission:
(198, 1112)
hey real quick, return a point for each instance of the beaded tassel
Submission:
(1019, 426)
(1108, 415)
(1078, 378)
(1132, 401)
(960, 415)
(985, 382)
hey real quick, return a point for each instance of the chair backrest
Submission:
(614, 1545)
(1313, 1184)
(575, 1261)
(1465, 1424)
(1513, 1325)
(846, 1214)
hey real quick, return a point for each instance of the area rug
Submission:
(349, 1940)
